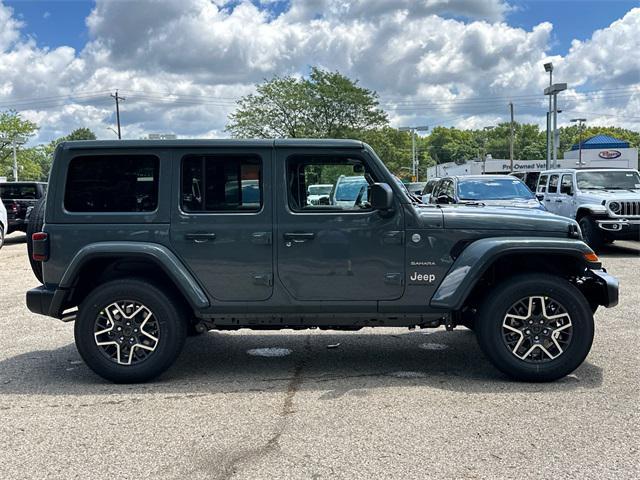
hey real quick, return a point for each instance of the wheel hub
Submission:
(537, 329)
(126, 332)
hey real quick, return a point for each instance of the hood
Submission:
(504, 218)
(517, 203)
(595, 195)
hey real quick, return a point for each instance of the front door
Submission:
(222, 223)
(551, 199)
(339, 249)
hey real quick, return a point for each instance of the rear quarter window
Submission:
(112, 183)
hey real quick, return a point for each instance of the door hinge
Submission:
(393, 278)
(393, 237)
(261, 238)
(264, 279)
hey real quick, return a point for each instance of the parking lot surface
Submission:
(383, 403)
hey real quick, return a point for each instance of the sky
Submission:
(182, 64)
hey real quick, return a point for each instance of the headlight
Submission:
(614, 207)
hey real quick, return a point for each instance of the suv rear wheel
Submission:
(536, 327)
(129, 331)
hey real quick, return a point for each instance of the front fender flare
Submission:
(156, 253)
(474, 261)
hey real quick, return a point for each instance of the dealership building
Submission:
(597, 152)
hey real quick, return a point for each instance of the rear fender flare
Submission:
(153, 252)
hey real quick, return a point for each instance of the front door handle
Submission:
(299, 237)
(558, 201)
(200, 237)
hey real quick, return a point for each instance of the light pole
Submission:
(484, 152)
(15, 141)
(548, 67)
(581, 122)
(553, 90)
(414, 161)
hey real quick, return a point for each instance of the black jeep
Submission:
(141, 242)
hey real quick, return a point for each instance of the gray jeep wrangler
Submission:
(142, 242)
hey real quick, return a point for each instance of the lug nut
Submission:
(536, 337)
(528, 332)
(541, 322)
(530, 322)
(119, 328)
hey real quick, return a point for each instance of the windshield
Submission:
(320, 189)
(493, 189)
(610, 180)
(13, 192)
(349, 190)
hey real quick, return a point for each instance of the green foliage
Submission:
(324, 105)
(78, 134)
(570, 136)
(12, 125)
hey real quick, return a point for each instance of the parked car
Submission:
(605, 202)
(127, 254)
(495, 190)
(319, 193)
(347, 190)
(416, 188)
(428, 188)
(3, 223)
(19, 198)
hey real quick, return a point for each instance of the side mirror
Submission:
(540, 196)
(443, 199)
(381, 196)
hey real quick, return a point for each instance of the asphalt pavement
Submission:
(378, 403)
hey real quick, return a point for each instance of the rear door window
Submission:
(122, 183)
(221, 183)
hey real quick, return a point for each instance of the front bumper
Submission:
(606, 288)
(623, 227)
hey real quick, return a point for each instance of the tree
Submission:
(12, 126)
(324, 105)
(83, 133)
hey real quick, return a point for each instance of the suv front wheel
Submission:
(129, 331)
(535, 327)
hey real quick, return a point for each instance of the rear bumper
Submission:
(39, 300)
(47, 301)
(608, 287)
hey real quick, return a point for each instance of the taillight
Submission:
(40, 242)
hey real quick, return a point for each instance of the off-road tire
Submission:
(170, 317)
(489, 327)
(590, 233)
(36, 222)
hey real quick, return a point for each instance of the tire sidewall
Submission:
(593, 237)
(170, 320)
(490, 336)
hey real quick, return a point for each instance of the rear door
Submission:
(222, 220)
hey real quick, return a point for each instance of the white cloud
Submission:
(427, 68)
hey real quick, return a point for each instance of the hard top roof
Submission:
(592, 169)
(219, 143)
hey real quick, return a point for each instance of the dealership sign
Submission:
(609, 154)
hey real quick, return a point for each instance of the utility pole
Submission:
(511, 137)
(118, 100)
(581, 122)
(414, 157)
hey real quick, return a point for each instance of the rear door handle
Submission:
(200, 237)
(558, 201)
(299, 237)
